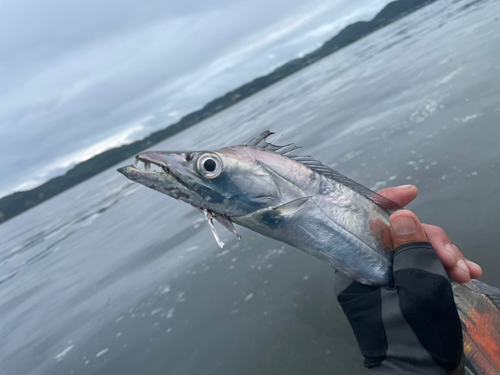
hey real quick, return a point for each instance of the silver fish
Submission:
(299, 201)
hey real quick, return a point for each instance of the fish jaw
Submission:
(154, 171)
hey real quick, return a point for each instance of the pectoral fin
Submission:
(272, 217)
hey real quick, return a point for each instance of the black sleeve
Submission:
(427, 304)
(412, 327)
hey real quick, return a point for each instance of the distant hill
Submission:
(16, 203)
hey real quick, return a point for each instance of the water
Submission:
(112, 278)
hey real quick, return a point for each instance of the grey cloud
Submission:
(73, 74)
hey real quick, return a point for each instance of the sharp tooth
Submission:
(146, 166)
(156, 168)
(139, 164)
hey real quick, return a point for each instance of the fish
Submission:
(297, 200)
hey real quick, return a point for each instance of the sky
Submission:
(80, 77)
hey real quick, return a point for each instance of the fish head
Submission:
(232, 181)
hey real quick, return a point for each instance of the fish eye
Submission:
(209, 165)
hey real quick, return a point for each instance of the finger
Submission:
(457, 267)
(439, 239)
(402, 195)
(406, 228)
(460, 272)
(450, 256)
(475, 269)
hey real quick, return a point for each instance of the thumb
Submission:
(406, 228)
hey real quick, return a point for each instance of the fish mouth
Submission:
(144, 166)
(152, 170)
(150, 162)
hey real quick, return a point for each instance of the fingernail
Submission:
(462, 266)
(449, 249)
(405, 186)
(404, 225)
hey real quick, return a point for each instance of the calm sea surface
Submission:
(112, 278)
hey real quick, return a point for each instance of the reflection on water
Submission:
(113, 278)
(20, 249)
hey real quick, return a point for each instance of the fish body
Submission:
(301, 202)
(318, 215)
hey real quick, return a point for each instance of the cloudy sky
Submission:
(78, 77)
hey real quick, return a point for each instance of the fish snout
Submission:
(127, 171)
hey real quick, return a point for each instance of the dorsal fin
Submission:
(315, 165)
(260, 142)
(261, 137)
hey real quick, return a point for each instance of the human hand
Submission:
(456, 265)
(412, 326)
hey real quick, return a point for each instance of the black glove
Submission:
(411, 327)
